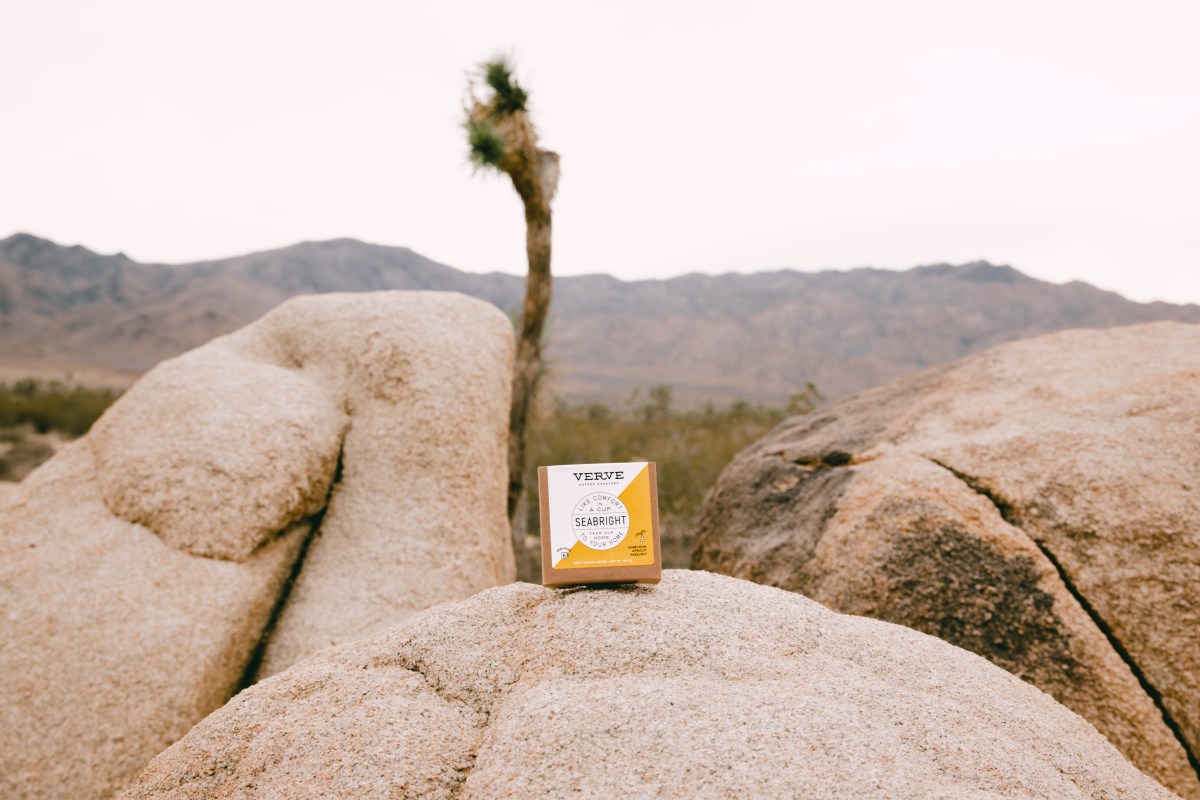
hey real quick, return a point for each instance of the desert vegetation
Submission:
(690, 445)
(36, 415)
(61, 406)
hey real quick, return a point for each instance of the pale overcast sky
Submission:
(1060, 137)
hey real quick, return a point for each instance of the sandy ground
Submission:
(8, 490)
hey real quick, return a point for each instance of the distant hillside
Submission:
(757, 337)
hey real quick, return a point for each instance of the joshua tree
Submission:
(501, 137)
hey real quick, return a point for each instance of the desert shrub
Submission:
(66, 408)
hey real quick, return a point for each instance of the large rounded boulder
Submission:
(1038, 504)
(310, 479)
(700, 687)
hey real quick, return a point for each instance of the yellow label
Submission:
(599, 517)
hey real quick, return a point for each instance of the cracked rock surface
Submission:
(701, 687)
(1037, 503)
(153, 567)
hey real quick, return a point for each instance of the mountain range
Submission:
(757, 337)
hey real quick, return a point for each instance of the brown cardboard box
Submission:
(597, 510)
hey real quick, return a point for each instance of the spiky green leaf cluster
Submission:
(509, 96)
(486, 145)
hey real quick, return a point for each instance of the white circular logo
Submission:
(600, 521)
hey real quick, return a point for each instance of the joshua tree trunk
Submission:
(502, 137)
(527, 368)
